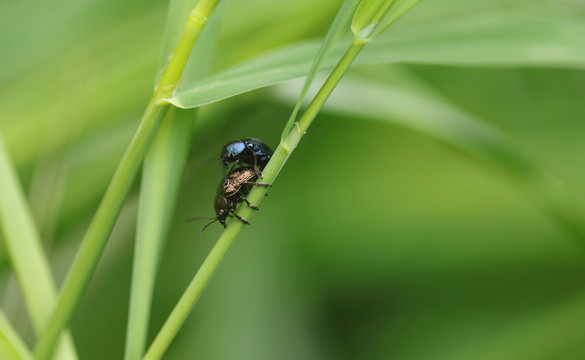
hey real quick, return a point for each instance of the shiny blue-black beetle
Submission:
(246, 151)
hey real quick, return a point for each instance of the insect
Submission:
(233, 191)
(240, 181)
(246, 151)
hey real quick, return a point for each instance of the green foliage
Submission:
(163, 167)
(506, 38)
(102, 224)
(26, 254)
(376, 241)
(397, 9)
(335, 30)
(367, 16)
(161, 174)
(374, 16)
(11, 345)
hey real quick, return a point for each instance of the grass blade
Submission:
(335, 30)
(399, 8)
(25, 250)
(481, 141)
(367, 17)
(12, 347)
(285, 148)
(98, 233)
(192, 293)
(505, 38)
(162, 170)
(101, 227)
(419, 108)
(178, 13)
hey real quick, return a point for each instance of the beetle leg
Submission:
(253, 207)
(258, 184)
(256, 170)
(241, 218)
(233, 166)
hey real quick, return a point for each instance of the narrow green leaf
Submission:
(420, 109)
(12, 347)
(339, 23)
(210, 264)
(506, 38)
(399, 9)
(367, 16)
(176, 19)
(102, 224)
(162, 171)
(99, 232)
(269, 69)
(25, 250)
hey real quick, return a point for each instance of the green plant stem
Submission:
(305, 121)
(195, 24)
(25, 250)
(161, 175)
(162, 171)
(281, 155)
(99, 231)
(193, 292)
(339, 24)
(101, 227)
(11, 344)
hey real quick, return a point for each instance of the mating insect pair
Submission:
(240, 179)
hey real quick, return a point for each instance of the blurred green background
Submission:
(377, 241)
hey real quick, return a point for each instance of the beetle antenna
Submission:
(199, 218)
(196, 165)
(205, 227)
(204, 218)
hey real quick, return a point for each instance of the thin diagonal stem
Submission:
(101, 227)
(207, 269)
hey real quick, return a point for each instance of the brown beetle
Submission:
(232, 191)
(243, 176)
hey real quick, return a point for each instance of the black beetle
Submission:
(232, 191)
(246, 151)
